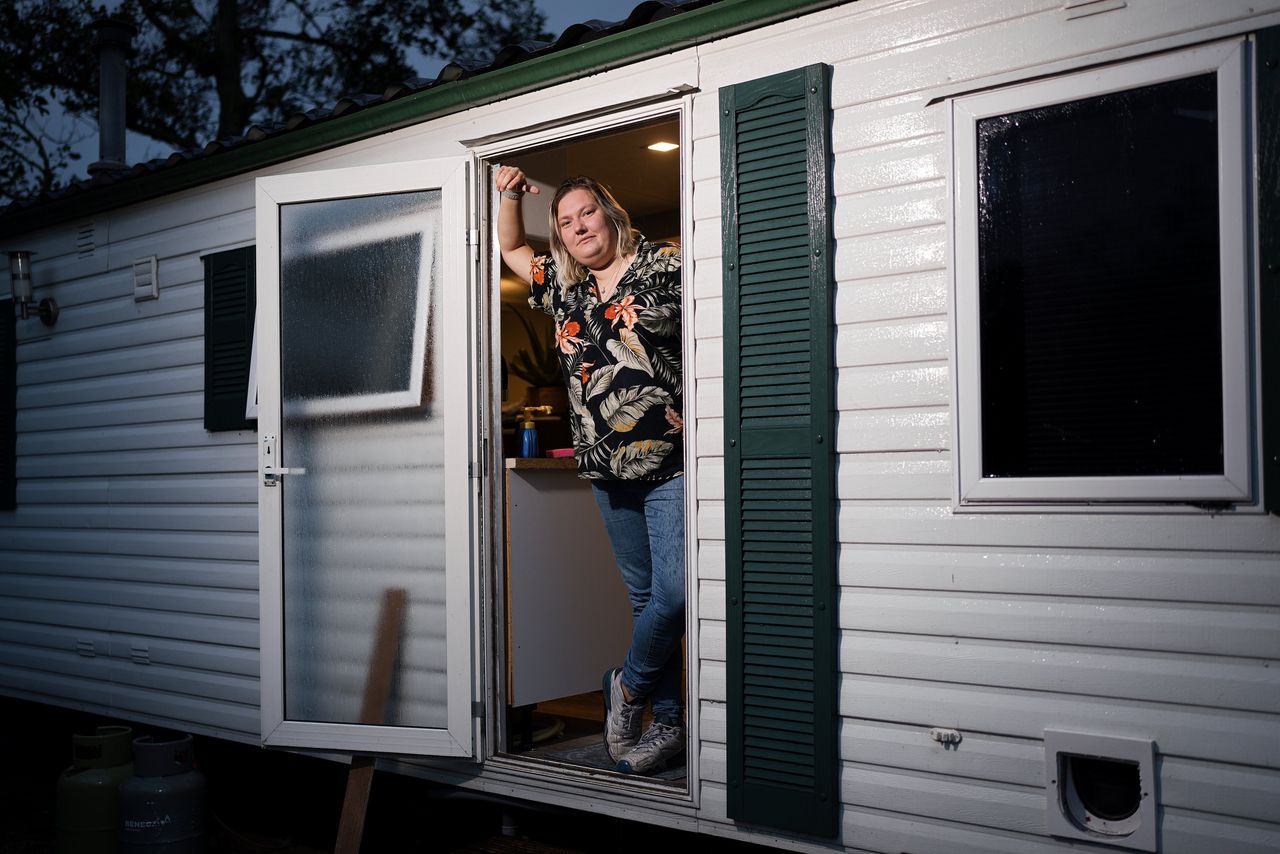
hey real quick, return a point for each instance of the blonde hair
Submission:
(570, 272)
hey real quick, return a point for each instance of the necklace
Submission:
(607, 291)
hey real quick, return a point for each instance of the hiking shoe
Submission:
(621, 719)
(660, 743)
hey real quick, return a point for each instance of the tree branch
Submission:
(285, 35)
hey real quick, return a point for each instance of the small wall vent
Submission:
(85, 244)
(139, 653)
(1101, 789)
(146, 279)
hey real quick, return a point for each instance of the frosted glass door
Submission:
(369, 423)
(357, 281)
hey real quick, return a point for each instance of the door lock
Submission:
(271, 473)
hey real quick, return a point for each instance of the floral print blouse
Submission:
(621, 361)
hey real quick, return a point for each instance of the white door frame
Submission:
(679, 107)
(458, 737)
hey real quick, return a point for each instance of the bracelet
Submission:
(512, 194)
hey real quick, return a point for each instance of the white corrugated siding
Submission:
(1158, 626)
(136, 534)
(129, 572)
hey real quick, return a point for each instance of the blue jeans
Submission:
(645, 522)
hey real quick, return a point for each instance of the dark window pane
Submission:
(1099, 286)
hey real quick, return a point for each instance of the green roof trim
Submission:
(652, 39)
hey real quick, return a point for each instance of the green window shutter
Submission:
(1268, 66)
(230, 298)
(8, 407)
(783, 705)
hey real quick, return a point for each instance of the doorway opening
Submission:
(564, 615)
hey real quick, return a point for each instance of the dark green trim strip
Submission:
(1268, 71)
(8, 406)
(654, 39)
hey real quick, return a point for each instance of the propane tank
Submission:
(162, 805)
(87, 805)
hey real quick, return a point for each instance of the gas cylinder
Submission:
(87, 806)
(162, 805)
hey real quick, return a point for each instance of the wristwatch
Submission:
(511, 194)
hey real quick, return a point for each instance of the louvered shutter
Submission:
(8, 407)
(229, 302)
(1269, 231)
(779, 463)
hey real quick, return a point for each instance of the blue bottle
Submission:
(528, 432)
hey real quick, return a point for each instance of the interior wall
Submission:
(646, 183)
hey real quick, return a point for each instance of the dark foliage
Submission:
(206, 69)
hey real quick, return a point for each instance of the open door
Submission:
(364, 418)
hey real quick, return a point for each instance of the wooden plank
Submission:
(372, 711)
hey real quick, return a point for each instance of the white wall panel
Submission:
(1187, 731)
(1189, 628)
(136, 527)
(894, 296)
(887, 430)
(1206, 577)
(1195, 680)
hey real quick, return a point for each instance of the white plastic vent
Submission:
(146, 279)
(1101, 788)
(85, 240)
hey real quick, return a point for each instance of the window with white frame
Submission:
(1103, 239)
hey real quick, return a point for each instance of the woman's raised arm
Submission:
(511, 182)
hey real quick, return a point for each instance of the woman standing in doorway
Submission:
(615, 300)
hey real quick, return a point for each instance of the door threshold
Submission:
(672, 783)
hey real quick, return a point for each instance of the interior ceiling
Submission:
(644, 182)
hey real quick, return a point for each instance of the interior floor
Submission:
(571, 730)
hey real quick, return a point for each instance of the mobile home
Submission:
(981, 358)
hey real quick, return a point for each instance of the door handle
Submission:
(271, 473)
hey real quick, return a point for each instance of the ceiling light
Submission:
(663, 146)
